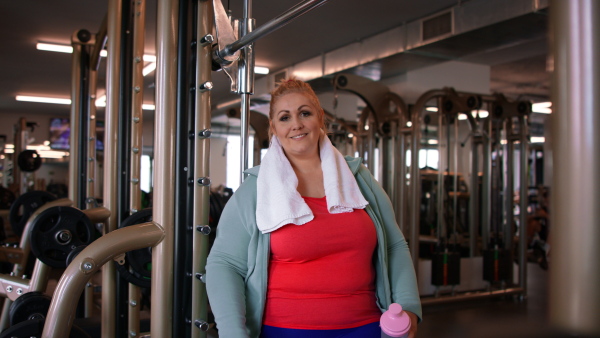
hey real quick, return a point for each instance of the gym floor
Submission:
(490, 317)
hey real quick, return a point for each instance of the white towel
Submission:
(278, 201)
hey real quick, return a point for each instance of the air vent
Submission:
(436, 26)
(278, 77)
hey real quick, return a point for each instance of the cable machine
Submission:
(508, 116)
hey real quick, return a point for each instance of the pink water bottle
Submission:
(394, 322)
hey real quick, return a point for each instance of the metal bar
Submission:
(111, 172)
(508, 157)
(471, 296)
(474, 202)
(271, 26)
(201, 169)
(164, 175)
(66, 295)
(523, 199)
(576, 183)
(486, 183)
(139, 23)
(76, 105)
(99, 43)
(90, 191)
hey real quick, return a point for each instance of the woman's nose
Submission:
(297, 124)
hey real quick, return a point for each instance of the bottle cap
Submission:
(395, 322)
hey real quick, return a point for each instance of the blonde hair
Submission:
(293, 85)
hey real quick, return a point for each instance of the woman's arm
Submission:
(226, 269)
(402, 275)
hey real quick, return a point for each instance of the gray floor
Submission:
(497, 317)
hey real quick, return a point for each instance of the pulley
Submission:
(24, 206)
(57, 231)
(137, 268)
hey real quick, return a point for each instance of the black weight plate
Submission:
(71, 256)
(57, 231)
(7, 198)
(29, 160)
(35, 328)
(137, 269)
(32, 305)
(24, 206)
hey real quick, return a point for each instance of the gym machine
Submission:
(383, 123)
(161, 233)
(510, 117)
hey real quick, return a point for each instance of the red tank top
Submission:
(321, 274)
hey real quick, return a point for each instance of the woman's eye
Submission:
(284, 118)
(305, 113)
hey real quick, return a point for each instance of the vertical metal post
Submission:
(523, 199)
(74, 120)
(575, 272)
(474, 202)
(111, 173)
(245, 85)
(415, 187)
(135, 198)
(91, 142)
(164, 175)
(509, 185)
(486, 183)
(201, 170)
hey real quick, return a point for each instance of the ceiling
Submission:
(515, 49)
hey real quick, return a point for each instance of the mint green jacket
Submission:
(237, 266)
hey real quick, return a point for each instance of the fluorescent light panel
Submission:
(542, 107)
(53, 47)
(42, 99)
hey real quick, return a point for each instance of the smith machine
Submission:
(177, 229)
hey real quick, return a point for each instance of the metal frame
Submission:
(160, 232)
(502, 110)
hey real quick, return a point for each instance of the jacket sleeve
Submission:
(401, 271)
(226, 270)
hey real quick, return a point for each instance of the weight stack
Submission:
(497, 265)
(445, 268)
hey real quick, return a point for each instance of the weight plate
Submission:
(32, 305)
(57, 231)
(7, 198)
(29, 160)
(71, 256)
(24, 206)
(35, 328)
(137, 268)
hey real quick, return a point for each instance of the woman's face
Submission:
(297, 124)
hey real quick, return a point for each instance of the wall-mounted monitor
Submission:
(60, 130)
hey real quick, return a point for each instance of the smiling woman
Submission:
(293, 236)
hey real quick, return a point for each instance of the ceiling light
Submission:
(542, 107)
(261, 70)
(148, 107)
(431, 109)
(52, 47)
(149, 68)
(42, 99)
(538, 139)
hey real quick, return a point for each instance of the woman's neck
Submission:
(310, 176)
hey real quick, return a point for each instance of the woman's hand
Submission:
(413, 324)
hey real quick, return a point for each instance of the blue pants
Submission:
(366, 331)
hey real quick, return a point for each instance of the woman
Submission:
(308, 246)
